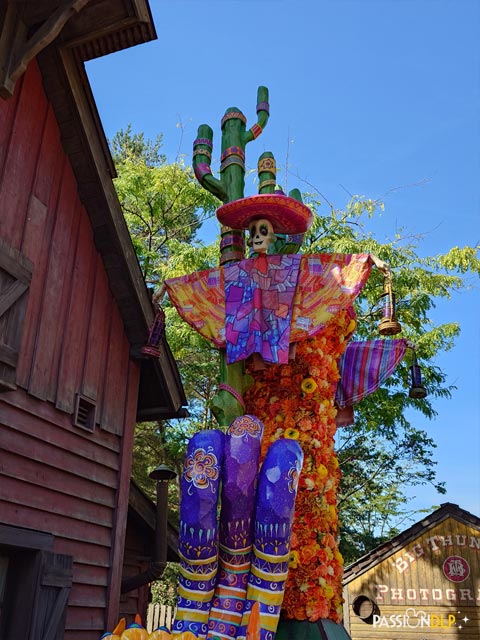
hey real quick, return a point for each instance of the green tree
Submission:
(161, 202)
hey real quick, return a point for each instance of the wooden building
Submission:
(74, 315)
(424, 583)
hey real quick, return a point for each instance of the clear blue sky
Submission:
(372, 97)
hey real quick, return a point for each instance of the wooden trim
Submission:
(11, 30)
(25, 538)
(120, 525)
(15, 276)
(8, 355)
(15, 263)
(12, 293)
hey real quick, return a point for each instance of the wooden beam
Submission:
(25, 538)
(17, 49)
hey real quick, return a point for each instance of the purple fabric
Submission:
(240, 473)
(258, 304)
(242, 451)
(198, 536)
(276, 493)
(365, 366)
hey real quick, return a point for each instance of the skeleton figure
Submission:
(262, 235)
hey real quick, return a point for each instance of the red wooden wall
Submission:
(56, 477)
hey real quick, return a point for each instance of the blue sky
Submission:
(371, 97)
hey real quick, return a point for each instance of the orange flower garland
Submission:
(295, 400)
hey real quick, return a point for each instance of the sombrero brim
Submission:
(286, 214)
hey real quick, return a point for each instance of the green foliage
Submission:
(161, 202)
(164, 591)
(126, 145)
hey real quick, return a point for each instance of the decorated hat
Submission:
(286, 214)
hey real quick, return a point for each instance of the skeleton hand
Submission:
(381, 265)
(158, 295)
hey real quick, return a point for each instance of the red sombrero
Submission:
(286, 214)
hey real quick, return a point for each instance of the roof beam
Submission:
(18, 48)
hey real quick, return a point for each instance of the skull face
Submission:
(261, 235)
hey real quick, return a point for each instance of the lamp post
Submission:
(162, 475)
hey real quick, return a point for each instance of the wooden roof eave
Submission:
(93, 27)
(68, 90)
(385, 550)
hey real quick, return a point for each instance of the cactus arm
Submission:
(202, 158)
(267, 173)
(263, 113)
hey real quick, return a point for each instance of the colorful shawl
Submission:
(261, 305)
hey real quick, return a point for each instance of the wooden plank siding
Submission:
(55, 477)
(412, 582)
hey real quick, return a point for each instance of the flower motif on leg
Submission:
(201, 468)
(245, 426)
(293, 478)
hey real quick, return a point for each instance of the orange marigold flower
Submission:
(292, 434)
(289, 422)
(308, 552)
(318, 609)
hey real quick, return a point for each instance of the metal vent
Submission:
(85, 413)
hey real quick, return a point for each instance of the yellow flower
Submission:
(308, 385)
(293, 560)
(292, 434)
(351, 326)
(322, 471)
(328, 591)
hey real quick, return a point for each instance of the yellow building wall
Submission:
(430, 588)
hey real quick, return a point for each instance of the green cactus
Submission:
(231, 186)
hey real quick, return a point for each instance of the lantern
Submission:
(388, 325)
(156, 334)
(417, 390)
